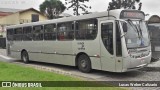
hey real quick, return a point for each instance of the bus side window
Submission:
(18, 34)
(50, 32)
(27, 33)
(107, 36)
(38, 32)
(86, 29)
(65, 31)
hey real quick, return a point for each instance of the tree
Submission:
(52, 8)
(126, 4)
(78, 4)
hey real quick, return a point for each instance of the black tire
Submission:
(154, 59)
(84, 63)
(25, 57)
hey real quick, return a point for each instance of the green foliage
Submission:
(12, 72)
(78, 4)
(52, 8)
(126, 4)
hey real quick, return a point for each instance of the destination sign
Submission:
(132, 15)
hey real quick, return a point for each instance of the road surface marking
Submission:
(5, 57)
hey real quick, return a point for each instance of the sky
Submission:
(149, 6)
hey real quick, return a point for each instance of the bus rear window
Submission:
(10, 33)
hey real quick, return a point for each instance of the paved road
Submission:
(3, 56)
(150, 73)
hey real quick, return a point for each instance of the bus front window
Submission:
(137, 34)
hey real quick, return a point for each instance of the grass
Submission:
(13, 72)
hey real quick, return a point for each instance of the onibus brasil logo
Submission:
(21, 84)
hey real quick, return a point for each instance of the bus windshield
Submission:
(137, 34)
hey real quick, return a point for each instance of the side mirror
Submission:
(125, 27)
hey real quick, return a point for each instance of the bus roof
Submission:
(113, 14)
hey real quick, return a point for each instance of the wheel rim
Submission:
(83, 64)
(25, 57)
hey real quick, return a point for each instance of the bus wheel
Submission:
(84, 63)
(25, 57)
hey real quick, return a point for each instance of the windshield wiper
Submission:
(140, 28)
(136, 29)
(141, 33)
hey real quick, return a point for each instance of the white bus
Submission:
(115, 41)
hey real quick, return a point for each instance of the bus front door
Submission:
(108, 45)
(111, 48)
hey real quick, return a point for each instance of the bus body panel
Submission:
(63, 52)
(107, 60)
(91, 48)
(15, 48)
